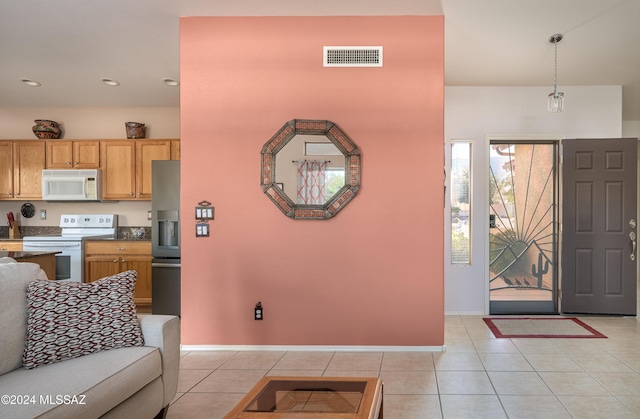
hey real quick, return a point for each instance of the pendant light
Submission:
(556, 99)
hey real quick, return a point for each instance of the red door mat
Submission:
(529, 327)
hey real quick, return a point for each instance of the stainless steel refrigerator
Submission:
(165, 237)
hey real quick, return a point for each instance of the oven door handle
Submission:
(165, 265)
(45, 245)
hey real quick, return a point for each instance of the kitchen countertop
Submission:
(124, 239)
(123, 233)
(20, 255)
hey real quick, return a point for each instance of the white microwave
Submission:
(71, 185)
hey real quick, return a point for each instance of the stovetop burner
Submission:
(80, 226)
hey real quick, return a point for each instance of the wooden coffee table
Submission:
(311, 398)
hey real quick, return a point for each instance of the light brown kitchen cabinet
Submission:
(28, 162)
(11, 246)
(73, 154)
(175, 149)
(22, 164)
(6, 169)
(106, 258)
(117, 160)
(146, 152)
(126, 167)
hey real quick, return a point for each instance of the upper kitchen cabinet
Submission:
(175, 149)
(6, 169)
(126, 167)
(117, 160)
(146, 152)
(28, 163)
(22, 164)
(73, 154)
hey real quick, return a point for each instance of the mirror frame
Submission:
(351, 174)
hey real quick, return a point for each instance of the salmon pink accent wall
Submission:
(372, 275)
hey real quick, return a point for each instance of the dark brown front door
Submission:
(598, 272)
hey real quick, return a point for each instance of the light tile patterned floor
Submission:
(478, 376)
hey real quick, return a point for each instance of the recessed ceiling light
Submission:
(110, 82)
(171, 82)
(30, 82)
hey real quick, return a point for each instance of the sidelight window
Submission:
(460, 202)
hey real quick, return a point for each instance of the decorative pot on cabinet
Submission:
(134, 129)
(46, 129)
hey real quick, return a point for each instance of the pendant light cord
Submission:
(555, 39)
(555, 77)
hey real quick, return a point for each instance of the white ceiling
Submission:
(69, 45)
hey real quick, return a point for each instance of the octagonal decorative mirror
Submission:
(310, 169)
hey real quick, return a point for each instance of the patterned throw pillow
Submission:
(69, 319)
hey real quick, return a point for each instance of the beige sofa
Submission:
(128, 382)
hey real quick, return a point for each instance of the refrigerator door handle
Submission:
(165, 265)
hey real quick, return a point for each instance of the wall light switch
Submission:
(202, 230)
(204, 213)
(149, 215)
(43, 214)
(258, 312)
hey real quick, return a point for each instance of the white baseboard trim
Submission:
(317, 348)
(464, 313)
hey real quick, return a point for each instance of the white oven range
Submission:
(70, 243)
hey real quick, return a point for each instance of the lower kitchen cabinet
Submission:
(105, 258)
(11, 246)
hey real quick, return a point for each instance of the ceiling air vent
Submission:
(352, 56)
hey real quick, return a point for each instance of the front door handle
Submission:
(632, 236)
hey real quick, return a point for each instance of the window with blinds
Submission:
(460, 202)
